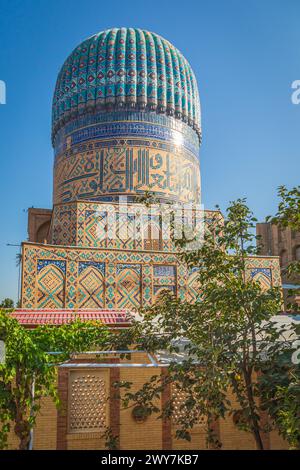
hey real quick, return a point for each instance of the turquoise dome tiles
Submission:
(126, 68)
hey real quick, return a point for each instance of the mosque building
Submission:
(125, 122)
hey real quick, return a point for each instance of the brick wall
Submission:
(51, 431)
(146, 435)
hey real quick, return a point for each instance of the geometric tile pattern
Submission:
(269, 266)
(193, 287)
(136, 276)
(50, 287)
(95, 229)
(63, 228)
(264, 280)
(128, 286)
(91, 288)
(103, 225)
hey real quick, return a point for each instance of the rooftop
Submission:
(35, 317)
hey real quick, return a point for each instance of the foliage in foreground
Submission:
(29, 372)
(231, 341)
(288, 215)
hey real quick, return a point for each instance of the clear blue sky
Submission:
(245, 55)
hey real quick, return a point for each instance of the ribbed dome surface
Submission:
(126, 68)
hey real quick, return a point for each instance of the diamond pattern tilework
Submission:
(128, 276)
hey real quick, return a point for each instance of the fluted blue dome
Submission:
(130, 69)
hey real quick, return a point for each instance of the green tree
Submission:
(29, 371)
(281, 386)
(288, 215)
(280, 390)
(228, 333)
(7, 303)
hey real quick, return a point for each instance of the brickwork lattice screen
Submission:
(87, 401)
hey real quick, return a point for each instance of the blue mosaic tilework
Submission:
(130, 129)
(126, 124)
(97, 214)
(41, 263)
(134, 267)
(266, 271)
(92, 118)
(161, 270)
(82, 265)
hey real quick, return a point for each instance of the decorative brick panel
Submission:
(87, 404)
